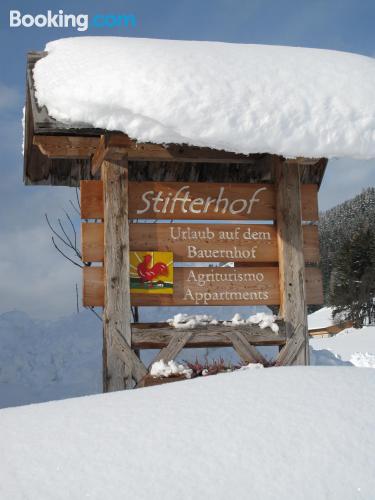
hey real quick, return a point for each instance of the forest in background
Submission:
(347, 244)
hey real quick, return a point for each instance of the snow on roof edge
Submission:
(241, 98)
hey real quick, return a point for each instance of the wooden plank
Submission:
(201, 242)
(93, 287)
(208, 286)
(213, 201)
(92, 242)
(311, 247)
(57, 146)
(291, 262)
(308, 199)
(175, 345)
(264, 209)
(155, 336)
(66, 146)
(314, 286)
(232, 292)
(92, 206)
(119, 371)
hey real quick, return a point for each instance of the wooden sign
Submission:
(210, 286)
(269, 258)
(202, 242)
(197, 201)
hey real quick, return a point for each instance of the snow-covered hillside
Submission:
(354, 346)
(43, 360)
(285, 433)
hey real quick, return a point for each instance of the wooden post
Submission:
(291, 265)
(117, 315)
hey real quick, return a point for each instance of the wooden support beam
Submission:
(291, 350)
(118, 370)
(245, 350)
(126, 353)
(291, 261)
(159, 335)
(175, 345)
(62, 146)
(81, 146)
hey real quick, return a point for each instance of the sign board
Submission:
(198, 201)
(202, 242)
(210, 286)
(233, 241)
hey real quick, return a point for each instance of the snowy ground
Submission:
(285, 433)
(354, 346)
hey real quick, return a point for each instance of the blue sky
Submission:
(33, 277)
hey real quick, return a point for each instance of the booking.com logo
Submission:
(61, 20)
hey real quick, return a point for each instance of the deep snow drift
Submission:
(321, 318)
(243, 98)
(277, 433)
(354, 346)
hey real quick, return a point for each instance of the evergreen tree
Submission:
(352, 280)
(340, 223)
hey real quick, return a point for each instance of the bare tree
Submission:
(65, 240)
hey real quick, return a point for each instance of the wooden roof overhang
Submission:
(59, 155)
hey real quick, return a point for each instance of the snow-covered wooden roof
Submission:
(242, 101)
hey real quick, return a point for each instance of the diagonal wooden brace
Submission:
(292, 348)
(176, 344)
(129, 358)
(247, 352)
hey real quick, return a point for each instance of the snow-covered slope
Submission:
(244, 98)
(351, 345)
(320, 318)
(285, 433)
(42, 360)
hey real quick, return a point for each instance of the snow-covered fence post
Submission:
(291, 265)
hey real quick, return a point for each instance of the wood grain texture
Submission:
(92, 242)
(265, 209)
(291, 350)
(126, 353)
(158, 336)
(93, 288)
(247, 352)
(176, 344)
(119, 371)
(66, 146)
(161, 237)
(92, 203)
(293, 287)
